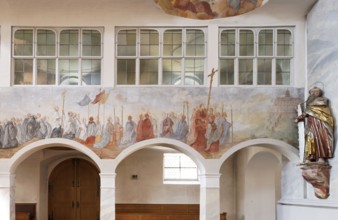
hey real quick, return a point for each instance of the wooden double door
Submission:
(74, 191)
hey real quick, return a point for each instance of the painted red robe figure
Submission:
(147, 128)
(200, 128)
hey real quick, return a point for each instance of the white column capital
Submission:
(7, 180)
(107, 180)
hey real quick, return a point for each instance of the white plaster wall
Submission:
(262, 190)
(240, 164)
(27, 181)
(258, 183)
(306, 211)
(228, 186)
(148, 188)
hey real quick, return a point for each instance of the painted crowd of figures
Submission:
(205, 131)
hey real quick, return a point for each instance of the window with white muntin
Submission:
(57, 56)
(178, 168)
(255, 56)
(160, 56)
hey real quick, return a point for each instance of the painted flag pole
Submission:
(232, 126)
(63, 109)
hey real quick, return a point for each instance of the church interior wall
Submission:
(236, 189)
(148, 187)
(228, 187)
(262, 186)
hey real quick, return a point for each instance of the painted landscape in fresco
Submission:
(108, 120)
(208, 9)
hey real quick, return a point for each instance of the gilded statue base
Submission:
(318, 175)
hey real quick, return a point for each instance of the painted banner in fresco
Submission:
(208, 9)
(108, 120)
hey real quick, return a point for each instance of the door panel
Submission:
(74, 191)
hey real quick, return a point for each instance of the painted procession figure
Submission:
(319, 141)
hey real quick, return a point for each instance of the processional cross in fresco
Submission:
(211, 75)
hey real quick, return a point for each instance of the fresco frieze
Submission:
(108, 120)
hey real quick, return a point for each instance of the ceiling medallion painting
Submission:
(208, 9)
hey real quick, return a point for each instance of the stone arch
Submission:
(287, 150)
(28, 150)
(165, 142)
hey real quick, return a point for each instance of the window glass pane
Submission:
(246, 43)
(245, 71)
(23, 72)
(91, 72)
(172, 160)
(91, 43)
(45, 72)
(284, 43)
(126, 72)
(189, 173)
(264, 72)
(227, 72)
(172, 174)
(178, 166)
(69, 43)
(126, 43)
(172, 43)
(265, 43)
(149, 71)
(283, 71)
(195, 43)
(46, 43)
(228, 43)
(149, 43)
(171, 71)
(23, 43)
(68, 72)
(187, 162)
(194, 72)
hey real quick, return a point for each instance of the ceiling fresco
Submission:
(208, 9)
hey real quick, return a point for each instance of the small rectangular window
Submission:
(179, 168)
(172, 43)
(246, 43)
(126, 74)
(228, 43)
(149, 71)
(227, 73)
(265, 43)
(245, 72)
(23, 42)
(264, 71)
